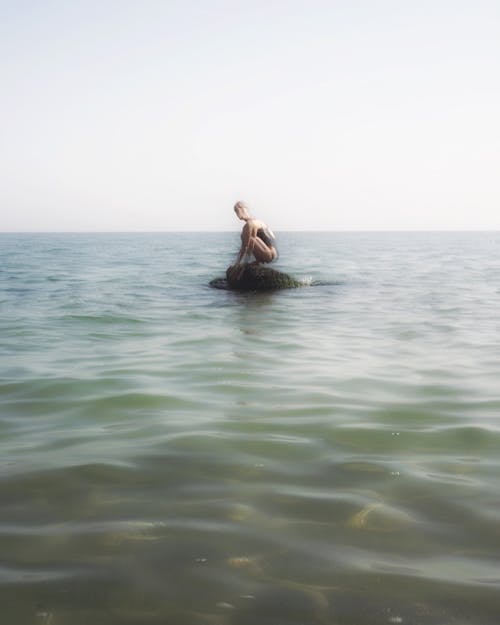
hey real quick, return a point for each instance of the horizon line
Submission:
(347, 230)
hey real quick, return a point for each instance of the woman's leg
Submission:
(262, 253)
(256, 246)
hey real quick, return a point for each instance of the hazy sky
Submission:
(159, 115)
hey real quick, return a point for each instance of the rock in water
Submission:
(258, 278)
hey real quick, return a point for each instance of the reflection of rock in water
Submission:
(255, 278)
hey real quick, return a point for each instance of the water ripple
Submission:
(173, 453)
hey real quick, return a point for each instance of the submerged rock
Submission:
(255, 278)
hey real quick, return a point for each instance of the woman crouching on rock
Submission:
(257, 240)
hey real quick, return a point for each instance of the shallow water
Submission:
(176, 454)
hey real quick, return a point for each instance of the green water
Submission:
(176, 454)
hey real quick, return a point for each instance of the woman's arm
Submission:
(249, 231)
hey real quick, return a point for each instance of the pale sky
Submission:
(157, 115)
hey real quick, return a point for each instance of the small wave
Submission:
(306, 280)
(11, 575)
(103, 319)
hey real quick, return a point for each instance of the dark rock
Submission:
(255, 277)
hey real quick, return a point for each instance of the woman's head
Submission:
(241, 210)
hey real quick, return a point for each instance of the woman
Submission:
(256, 238)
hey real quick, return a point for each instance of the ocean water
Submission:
(179, 455)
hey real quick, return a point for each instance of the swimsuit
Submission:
(266, 236)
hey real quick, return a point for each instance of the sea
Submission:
(176, 454)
